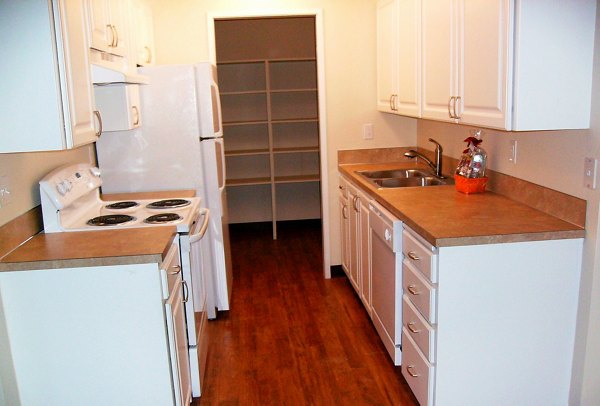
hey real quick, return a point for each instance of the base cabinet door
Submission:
(178, 346)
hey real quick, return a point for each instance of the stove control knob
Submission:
(62, 188)
(95, 171)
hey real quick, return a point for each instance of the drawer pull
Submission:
(413, 291)
(413, 255)
(388, 234)
(186, 291)
(411, 326)
(410, 372)
(178, 269)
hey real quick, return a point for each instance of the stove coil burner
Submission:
(163, 218)
(110, 220)
(122, 205)
(169, 204)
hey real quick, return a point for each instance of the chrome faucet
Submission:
(437, 166)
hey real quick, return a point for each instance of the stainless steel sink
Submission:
(394, 173)
(395, 178)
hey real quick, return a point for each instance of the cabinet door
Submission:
(98, 24)
(344, 233)
(439, 65)
(365, 268)
(143, 34)
(354, 246)
(178, 346)
(75, 75)
(387, 55)
(118, 18)
(483, 60)
(408, 99)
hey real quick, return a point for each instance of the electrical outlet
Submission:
(513, 152)
(590, 173)
(4, 191)
(368, 131)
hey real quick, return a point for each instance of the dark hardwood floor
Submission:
(291, 336)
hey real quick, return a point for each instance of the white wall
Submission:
(22, 172)
(181, 36)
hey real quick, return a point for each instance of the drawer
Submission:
(419, 291)
(423, 257)
(418, 329)
(417, 371)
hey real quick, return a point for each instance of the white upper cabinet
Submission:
(399, 57)
(465, 61)
(143, 33)
(46, 89)
(387, 58)
(505, 64)
(108, 31)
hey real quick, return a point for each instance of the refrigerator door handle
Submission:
(219, 151)
(216, 102)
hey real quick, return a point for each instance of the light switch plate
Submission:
(368, 131)
(590, 173)
(513, 152)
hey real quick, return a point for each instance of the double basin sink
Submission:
(396, 178)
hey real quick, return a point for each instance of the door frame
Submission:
(320, 50)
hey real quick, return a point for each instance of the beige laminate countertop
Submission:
(91, 248)
(446, 217)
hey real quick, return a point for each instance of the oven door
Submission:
(195, 280)
(194, 276)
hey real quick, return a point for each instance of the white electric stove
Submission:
(71, 202)
(70, 197)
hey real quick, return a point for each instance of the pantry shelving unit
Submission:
(271, 134)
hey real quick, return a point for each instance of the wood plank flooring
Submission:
(291, 336)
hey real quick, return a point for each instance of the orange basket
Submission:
(470, 185)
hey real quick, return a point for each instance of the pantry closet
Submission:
(267, 69)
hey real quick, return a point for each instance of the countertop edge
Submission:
(80, 262)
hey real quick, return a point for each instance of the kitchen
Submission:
(551, 159)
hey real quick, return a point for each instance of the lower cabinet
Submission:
(354, 218)
(482, 324)
(97, 335)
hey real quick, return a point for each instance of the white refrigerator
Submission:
(179, 146)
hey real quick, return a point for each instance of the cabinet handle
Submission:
(355, 200)
(115, 36)
(341, 187)
(411, 326)
(344, 212)
(148, 54)
(410, 372)
(186, 292)
(392, 102)
(412, 290)
(112, 35)
(450, 106)
(99, 118)
(136, 115)
(387, 234)
(458, 99)
(413, 255)
(177, 271)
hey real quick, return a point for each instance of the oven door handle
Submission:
(198, 236)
